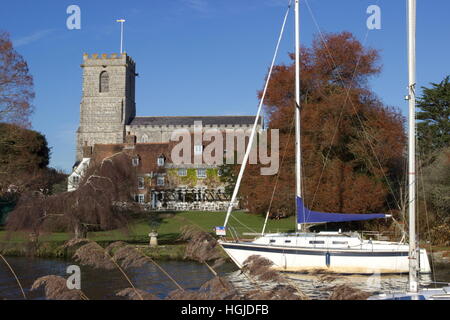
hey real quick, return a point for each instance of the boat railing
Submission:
(379, 236)
(233, 233)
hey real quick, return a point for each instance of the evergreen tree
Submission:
(434, 128)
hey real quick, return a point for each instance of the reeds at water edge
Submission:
(200, 247)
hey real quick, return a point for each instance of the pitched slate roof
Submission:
(147, 152)
(189, 120)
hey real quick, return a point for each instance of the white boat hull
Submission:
(423, 294)
(303, 259)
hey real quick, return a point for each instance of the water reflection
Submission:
(101, 284)
(320, 286)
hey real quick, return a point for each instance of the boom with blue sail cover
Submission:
(304, 215)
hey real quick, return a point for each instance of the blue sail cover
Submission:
(304, 215)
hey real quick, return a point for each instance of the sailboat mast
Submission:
(298, 182)
(255, 124)
(413, 259)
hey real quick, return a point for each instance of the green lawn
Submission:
(241, 222)
(168, 226)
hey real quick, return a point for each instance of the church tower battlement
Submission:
(108, 99)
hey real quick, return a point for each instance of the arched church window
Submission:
(104, 82)
(144, 138)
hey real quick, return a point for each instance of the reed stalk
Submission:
(15, 276)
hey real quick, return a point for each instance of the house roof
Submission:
(189, 120)
(147, 153)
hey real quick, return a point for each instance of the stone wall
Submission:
(106, 117)
(103, 115)
(163, 133)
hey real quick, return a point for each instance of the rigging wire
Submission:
(341, 112)
(250, 142)
(278, 175)
(420, 167)
(243, 224)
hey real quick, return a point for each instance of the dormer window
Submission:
(135, 161)
(104, 82)
(160, 161)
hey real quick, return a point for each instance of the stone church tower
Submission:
(108, 99)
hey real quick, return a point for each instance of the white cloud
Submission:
(198, 5)
(36, 36)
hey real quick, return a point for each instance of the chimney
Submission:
(130, 141)
(87, 150)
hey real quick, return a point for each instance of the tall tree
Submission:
(24, 153)
(16, 85)
(352, 145)
(433, 130)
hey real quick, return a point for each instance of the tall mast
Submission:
(121, 34)
(298, 182)
(252, 135)
(413, 259)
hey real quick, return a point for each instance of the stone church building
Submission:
(108, 118)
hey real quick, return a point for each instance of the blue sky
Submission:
(203, 57)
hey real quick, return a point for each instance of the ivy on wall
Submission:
(212, 179)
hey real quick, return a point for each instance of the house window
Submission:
(182, 172)
(75, 180)
(198, 149)
(141, 198)
(135, 161)
(160, 181)
(141, 183)
(201, 173)
(160, 161)
(104, 82)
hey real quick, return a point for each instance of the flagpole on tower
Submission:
(121, 33)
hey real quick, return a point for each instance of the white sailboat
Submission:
(414, 292)
(306, 251)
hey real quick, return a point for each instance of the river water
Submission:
(101, 284)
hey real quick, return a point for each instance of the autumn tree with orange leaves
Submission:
(352, 144)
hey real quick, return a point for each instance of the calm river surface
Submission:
(101, 284)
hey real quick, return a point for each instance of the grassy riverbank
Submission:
(168, 227)
(55, 249)
(167, 224)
